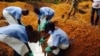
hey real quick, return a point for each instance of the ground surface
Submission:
(84, 38)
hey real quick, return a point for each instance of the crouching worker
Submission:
(58, 41)
(13, 14)
(15, 36)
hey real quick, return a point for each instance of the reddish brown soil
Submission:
(5, 50)
(84, 38)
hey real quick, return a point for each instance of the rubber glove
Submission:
(39, 28)
(43, 23)
(30, 53)
(42, 40)
(48, 49)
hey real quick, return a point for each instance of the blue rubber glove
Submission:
(42, 40)
(48, 49)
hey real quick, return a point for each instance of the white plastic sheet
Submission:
(17, 45)
(36, 49)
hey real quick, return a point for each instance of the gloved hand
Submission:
(42, 40)
(30, 53)
(43, 23)
(48, 49)
(39, 28)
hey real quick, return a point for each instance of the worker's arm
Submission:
(19, 21)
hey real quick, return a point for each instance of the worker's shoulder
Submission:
(16, 26)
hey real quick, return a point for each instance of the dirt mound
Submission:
(84, 38)
(5, 50)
